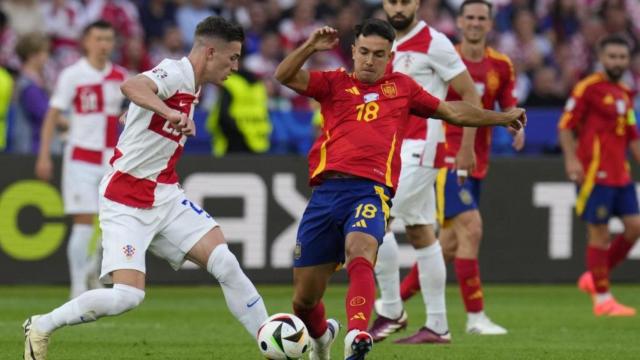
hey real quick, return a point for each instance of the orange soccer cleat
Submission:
(585, 283)
(613, 308)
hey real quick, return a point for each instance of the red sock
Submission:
(314, 319)
(361, 293)
(468, 274)
(618, 251)
(410, 284)
(597, 263)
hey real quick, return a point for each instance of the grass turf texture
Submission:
(544, 322)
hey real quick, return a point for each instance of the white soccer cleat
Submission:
(482, 325)
(35, 342)
(321, 347)
(357, 344)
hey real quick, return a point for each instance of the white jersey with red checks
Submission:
(144, 162)
(94, 100)
(429, 57)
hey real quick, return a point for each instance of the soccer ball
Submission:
(283, 337)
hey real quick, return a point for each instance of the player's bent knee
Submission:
(125, 298)
(222, 264)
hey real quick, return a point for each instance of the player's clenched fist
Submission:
(517, 118)
(324, 38)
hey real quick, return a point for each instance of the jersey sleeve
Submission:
(445, 60)
(574, 110)
(167, 77)
(421, 103)
(64, 91)
(632, 126)
(320, 85)
(507, 97)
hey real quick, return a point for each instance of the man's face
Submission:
(400, 13)
(370, 57)
(99, 43)
(475, 23)
(615, 59)
(222, 59)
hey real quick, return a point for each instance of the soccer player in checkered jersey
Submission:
(142, 206)
(89, 90)
(596, 129)
(354, 168)
(428, 57)
(457, 210)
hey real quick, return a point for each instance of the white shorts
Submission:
(80, 183)
(415, 199)
(169, 231)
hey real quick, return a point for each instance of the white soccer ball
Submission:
(283, 337)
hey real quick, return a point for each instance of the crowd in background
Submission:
(551, 43)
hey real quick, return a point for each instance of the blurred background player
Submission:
(596, 129)
(354, 167)
(89, 90)
(142, 206)
(429, 58)
(458, 213)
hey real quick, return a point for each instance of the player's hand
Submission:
(324, 38)
(178, 120)
(190, 129)
(123, 119)
(518, 139)
(574, 170)
(465, 163)
(44, 168)
(516, 118)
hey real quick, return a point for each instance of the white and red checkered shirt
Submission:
(94, 100)
(144, 162)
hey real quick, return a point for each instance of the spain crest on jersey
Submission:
(389, 89)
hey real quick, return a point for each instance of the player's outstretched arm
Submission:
(464, 114)
(290, 73)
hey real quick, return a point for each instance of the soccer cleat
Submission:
(484, 326)
(426, 336)
(613, 308)
(585, 283)
(357, 344)
(383, 326)
(321, 347)
(35, 342)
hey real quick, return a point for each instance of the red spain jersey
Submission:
(495, 81)
(364, 124)
(601, 114)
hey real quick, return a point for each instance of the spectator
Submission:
(526, 49)
(6, 88)
(24, 16)
(189, 15)
(122, 14)
(562, 21)
(240, 122)
(264, 63)
(617, 21)
(8, 38)
(64, 21)
(156, 16)
(582, 53)
(134, 56)
(506, 11)
(438, 15)
(300, 26)
(546, 90)
(171, 46)
(255, 33)
(32, 94)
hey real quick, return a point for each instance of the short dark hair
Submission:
(375, 27)
(99, 24)
(613, 39)
(217, 26)
(470, 2)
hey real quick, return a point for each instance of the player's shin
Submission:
(388, 276)
(241, 296)
(314, 318)
(90, 306)
(468, 273)
(361, 293)
(618, 250)
(597, 263)
(433, 278)
(410, 284)
(77, 254)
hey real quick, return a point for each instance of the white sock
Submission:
(433, 279)
(78, 257)
(473, 317)
(90, 306)
(387, 271)
(241, 296)
(602, 297)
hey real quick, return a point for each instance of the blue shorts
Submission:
(336, 208)
(452, 198)
(597, 204)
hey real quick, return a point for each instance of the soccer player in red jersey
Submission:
(596, 129)
(458, 213)
(354, 167)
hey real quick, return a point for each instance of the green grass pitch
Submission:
(544, 322)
